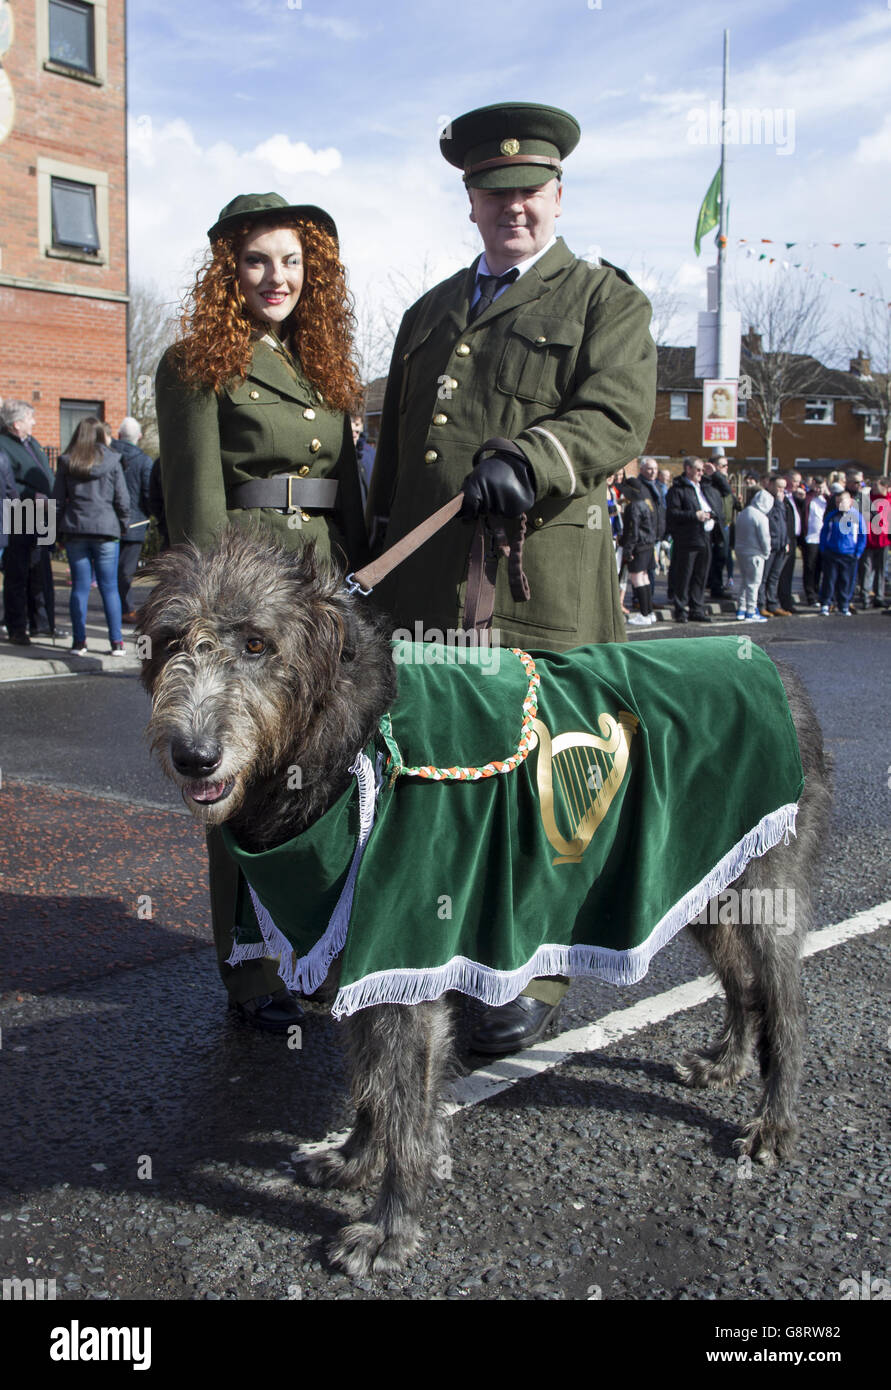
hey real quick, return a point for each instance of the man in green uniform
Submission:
(534, 346)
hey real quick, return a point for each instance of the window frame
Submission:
(99, 76)
(83, 409)
(59, 244)
(672, 396)
(813, 402)
(49, 169)
(872, 426)
(89, 13)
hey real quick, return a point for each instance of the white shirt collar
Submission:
(522, 266)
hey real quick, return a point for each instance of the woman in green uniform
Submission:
(253, 406)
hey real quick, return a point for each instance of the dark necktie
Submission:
(489, 287)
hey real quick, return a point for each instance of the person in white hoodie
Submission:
(752, 550)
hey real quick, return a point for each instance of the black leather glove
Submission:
(499, 485)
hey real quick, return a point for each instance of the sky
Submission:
(340, 103)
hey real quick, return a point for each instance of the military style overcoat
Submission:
(563, 364)
(272, 422)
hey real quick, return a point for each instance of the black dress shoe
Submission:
(275, 1013)
(512, 1026)
(700, 617)
(680, 616)
(19, 639)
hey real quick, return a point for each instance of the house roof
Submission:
(676, 364)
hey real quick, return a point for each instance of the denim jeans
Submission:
(83, 556)
(839, 578)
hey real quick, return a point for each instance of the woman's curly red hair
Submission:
(218, 332)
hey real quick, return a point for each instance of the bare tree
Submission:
(666, 299)
(872, 366)
(372, 340)
(378, 318)
(152, 327)
(786, 320)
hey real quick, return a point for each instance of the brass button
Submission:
(315, 446)
(309, 413)
(320, 398)
(305, 516)
(440, 419)
(541, 340)
(462, 350)
(431, 456)
(302, 472)
(538, 521)
(405, 357)
(453, 385)
(255, 395)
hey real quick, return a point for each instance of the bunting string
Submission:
(837, 245)
(752, 253)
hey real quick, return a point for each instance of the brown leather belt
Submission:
(287, 492)
(503, 161)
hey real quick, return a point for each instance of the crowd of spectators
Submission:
(752, 538)
(40, 507)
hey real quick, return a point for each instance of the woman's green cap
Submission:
(260, 205)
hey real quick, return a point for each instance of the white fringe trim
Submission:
(306, 973)
(497, 987)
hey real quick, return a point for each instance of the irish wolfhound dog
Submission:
(260, 660)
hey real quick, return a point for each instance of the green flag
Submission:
(709, 215)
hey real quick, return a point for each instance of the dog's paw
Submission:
(366, 1249)
(334, 1169)
(767, 1142)
(322, 1170)
(701, 1069)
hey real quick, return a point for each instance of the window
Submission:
(678, 406)
(72, 412)
(71, 38)
(74, 215)
(819, 411)
(742, 408)
(872, 425)
(72, 212)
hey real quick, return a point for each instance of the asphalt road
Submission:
(149, 1139)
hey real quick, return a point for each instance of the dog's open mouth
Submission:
(207, 793)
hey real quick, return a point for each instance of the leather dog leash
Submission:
(490, 543)
(365, 579)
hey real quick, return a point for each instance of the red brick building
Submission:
(63, 212)
(829, 427)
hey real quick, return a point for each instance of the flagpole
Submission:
(722, 223)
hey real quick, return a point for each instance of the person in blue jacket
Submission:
(842, 542)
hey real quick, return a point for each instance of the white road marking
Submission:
(498, 1076)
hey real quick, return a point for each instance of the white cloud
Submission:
(876, 148)
(295, 157)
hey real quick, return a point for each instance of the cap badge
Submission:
(510, 146)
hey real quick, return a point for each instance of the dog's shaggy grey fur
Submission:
(259, 661)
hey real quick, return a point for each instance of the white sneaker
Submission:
(637, 620)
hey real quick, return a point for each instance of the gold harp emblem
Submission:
(578, 775)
